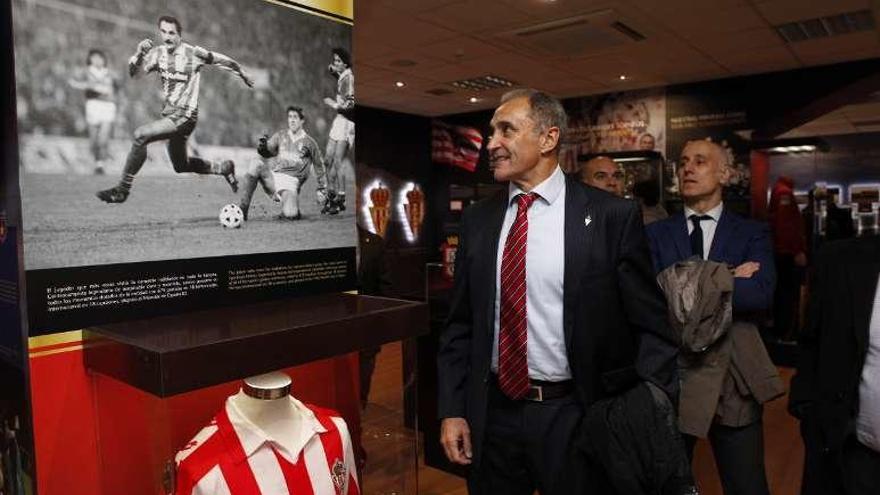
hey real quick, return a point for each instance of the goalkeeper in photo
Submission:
(285, 162)
(178, 65)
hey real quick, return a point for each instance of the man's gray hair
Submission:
(546, 111)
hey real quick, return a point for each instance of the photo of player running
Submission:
(178, 65)
(341, 137)
(285, 162)
(100, 85)
(202, 117)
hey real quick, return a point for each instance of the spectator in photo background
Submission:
(100, 85)
(603, 173)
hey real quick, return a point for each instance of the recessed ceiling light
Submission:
(400, 84)
(473, 99)
(622, 77)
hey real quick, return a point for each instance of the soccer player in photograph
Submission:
(100, 85)
(285, 161)
(178, 65)
(341, 132)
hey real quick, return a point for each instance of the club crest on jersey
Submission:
(339, 474)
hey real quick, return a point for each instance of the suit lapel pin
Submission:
(587, 220)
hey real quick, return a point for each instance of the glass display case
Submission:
(157, 383)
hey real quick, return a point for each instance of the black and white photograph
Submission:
(181, 153)
(181, 129)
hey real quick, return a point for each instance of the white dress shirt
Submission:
(708, 226)
(545, 271)
(868, 420)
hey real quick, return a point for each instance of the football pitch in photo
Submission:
(166, 217)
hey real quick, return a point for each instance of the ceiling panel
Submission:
(745, 61)
(364, 52)
(706, 19)
(782, 11)
(686, 41)
(736, 42)
(460, 49)
(838, 49)
(404, 31)
(368, 73)
(542, 10)
(409, 6)
(404, 61)
(472, 16)
(677, 5)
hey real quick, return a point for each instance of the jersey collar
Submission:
(251, 437)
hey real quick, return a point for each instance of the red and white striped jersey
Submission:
(232, 456)
(179, 71)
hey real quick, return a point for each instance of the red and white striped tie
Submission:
(513, 367)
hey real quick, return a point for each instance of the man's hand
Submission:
(455, 436)
(800, 260)
(747, 269)
(330, 102)
(144, 46)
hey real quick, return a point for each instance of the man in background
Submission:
(710, 231)
(836, 391)
(604, 173)
(789, 249)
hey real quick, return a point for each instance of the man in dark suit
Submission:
(836, 391)
(554, 307)
(710, 231)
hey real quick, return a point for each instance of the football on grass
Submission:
(231, 216)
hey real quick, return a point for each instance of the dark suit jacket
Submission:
(614, 316)
(834, 342)
(736, 241)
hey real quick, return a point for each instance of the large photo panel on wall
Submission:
(182, 154)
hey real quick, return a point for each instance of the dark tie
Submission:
(697, 234)
(513, 366)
